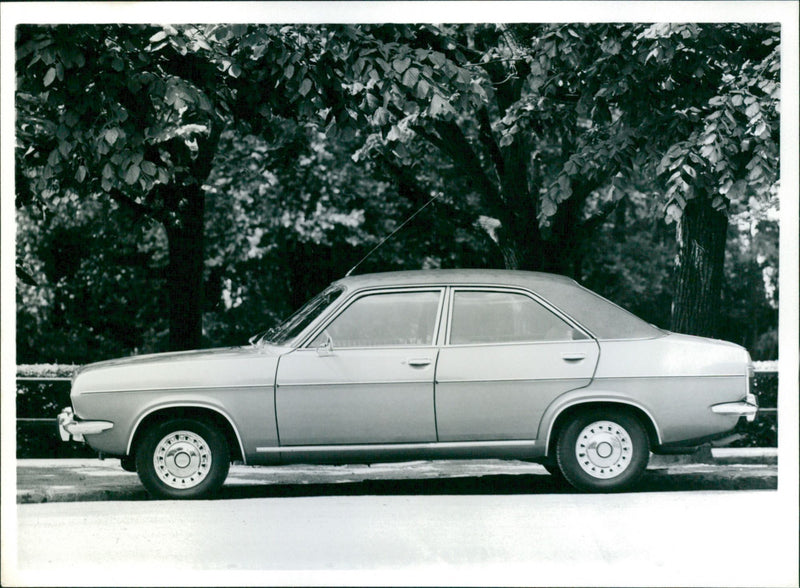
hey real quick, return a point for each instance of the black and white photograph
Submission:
(400, 293)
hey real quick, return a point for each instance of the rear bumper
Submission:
(744, 408)
(72, 430)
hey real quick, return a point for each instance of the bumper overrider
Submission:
(72, 430)
(744, 408)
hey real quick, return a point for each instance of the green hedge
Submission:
(762, 432)
(45, 399)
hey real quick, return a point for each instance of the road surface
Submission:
(639, 538)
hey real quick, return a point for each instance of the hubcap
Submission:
(182, 459)
(604, 449)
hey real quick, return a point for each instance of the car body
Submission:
(431, 364)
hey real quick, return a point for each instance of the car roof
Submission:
(482, 277)
(603, 318)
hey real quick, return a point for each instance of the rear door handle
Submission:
(573, 356)
(419, 361)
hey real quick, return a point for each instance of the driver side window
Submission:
(393, 319)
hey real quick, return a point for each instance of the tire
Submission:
(183, 458)
(603, 450)
(128, 463)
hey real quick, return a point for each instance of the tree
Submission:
(537, 119)
(132, 113)
(466, 92)
(98, 283)
(725, 149)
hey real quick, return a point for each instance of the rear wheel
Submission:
(603, 450)
(183, 458)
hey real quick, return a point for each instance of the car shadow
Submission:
(652, 481)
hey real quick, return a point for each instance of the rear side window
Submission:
(505, 317)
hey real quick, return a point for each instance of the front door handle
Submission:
(573, 356)
(419, 361)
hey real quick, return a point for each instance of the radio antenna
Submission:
(390, 235)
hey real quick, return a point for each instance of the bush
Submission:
(40, 439)
(762, 432)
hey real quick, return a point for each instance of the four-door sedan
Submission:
(421, 365)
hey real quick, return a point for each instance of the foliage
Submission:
(266, 160)
(99, 289)
(83, 129)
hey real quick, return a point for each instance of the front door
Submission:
(367, 377)
(507, 358)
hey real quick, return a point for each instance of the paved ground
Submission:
(670, 539)
(78, 480)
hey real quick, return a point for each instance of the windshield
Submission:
(294, 325)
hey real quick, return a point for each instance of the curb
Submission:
(766, 456)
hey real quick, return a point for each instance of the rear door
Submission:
(507, 356)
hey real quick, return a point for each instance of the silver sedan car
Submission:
(431, 364)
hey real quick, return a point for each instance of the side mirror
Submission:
(325, 348)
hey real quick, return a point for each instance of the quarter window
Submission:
(505, 317)
(385, 320)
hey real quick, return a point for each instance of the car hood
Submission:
(227, 367)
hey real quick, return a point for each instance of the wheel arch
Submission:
(189, 410)
(563, 414)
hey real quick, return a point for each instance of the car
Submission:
(428, 364)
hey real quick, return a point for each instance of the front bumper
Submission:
(72, 430)
(746, 408)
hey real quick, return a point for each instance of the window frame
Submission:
(453, 290)
(438, 322)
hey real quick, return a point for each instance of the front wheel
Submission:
(603, 450)
(183, 458)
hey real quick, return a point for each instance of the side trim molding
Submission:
(389, 446)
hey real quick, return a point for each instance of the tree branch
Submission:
(138, 209)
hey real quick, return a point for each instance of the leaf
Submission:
(305, 87)
(401, 65)
(437, 59)
(111, 136)
(132, 174)
(50, 76)
(506, 140)
(149, 168)
(438, 105)
(673, 213)
(80, 175)
(411, 77)
(423, 89)
(159, 36)
(65, 147)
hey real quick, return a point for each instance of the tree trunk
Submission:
(185, 277)
(698, 276)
